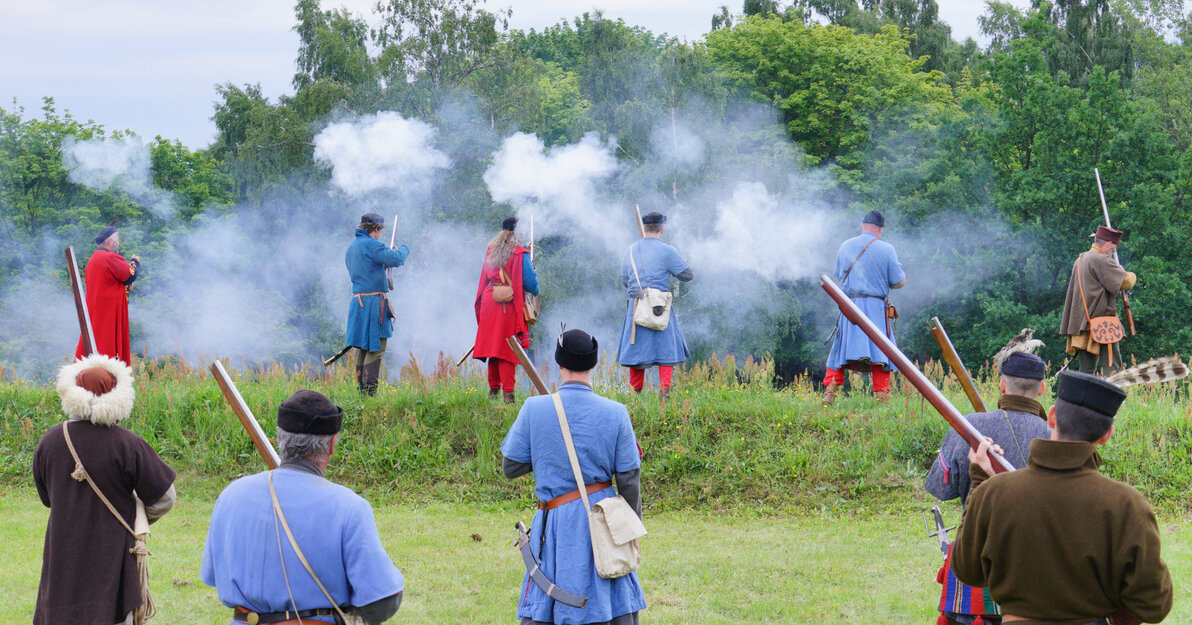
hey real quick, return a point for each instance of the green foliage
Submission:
(197, 179)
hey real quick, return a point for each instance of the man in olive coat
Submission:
(1096, 280)
(1057, 541)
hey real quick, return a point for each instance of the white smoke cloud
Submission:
(379, 152)
(559, 186)
(122, 164)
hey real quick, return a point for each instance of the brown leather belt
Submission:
(572, 496)
(241, 614)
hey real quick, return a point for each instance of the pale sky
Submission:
(152, 65)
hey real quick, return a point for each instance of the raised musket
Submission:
(641, 226)
(933, 395)
(392, 240)
(259, 440)
(524, 359)
(80, 298)
(1125, 296)
(953, 360)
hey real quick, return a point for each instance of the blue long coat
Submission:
(656, 263)
(605, 445)
(367, 259)
(868, 285)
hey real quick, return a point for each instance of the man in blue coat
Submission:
(370, 317)
(249, 558)
(867, 268)
(649, 264)
(607, 451)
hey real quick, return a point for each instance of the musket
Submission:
(1105, 212)
(80, 298)
(933, 395)
(460, 362)
(259, 440)
(392, 240)
(524, 359)
(641, 227)
(953, 360)
(531, 237)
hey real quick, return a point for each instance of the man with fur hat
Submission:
(867, 269)
(1096, 280)
(607, 451)
(370, 315)
(108, 277)
(89, 572)
(1019, 419)
(647, 268)
(1057, 541)
(249, 557)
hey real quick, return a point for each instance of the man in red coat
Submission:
(108, 277)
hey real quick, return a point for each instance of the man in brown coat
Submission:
(1057, 541)
(88, 574)
(1102, 278)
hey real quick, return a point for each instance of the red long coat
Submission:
(496, 322)
(107, 302)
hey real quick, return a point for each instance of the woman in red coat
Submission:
(505, 278)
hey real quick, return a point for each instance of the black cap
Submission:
(875, 218)
(107, 231)
(309, 412)
(1024, 365)
(1090, 391)
(372, 218)
(577, 350)
(653, 218)
(509, 223)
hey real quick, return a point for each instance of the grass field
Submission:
(855, 564)
(763, 505)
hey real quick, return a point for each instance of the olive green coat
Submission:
(1059, 541)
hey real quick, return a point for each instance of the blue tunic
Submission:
(868, 285)
(656, 263)
(333, 525)
(367, 259)
(605, 445)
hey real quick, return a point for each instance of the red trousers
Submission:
(502, 373)
(881, 378)
(637, 377)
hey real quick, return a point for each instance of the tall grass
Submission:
(725, 439)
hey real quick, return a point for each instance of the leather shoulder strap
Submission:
(298, 550)
(633, 264)
(844, 278)
(80, 474)
(1080, 281)
(563, 425)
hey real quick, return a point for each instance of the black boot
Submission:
(372, 373)
(494, 393)
(509, 397)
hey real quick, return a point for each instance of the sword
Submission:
(337, 356)
(521, 541)
(941, 530)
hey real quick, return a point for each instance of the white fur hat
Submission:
(107, 409)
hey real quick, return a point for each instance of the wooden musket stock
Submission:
(80, 298)
(641, 227)
(524, 359)
(259, 440)
(953, 360)
(933, 395)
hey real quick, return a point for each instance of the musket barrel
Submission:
(953, 360)
(641, 226)
(524, 359)
(80, 298)
(933, 395)
(230, 393)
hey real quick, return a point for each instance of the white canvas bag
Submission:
(612, 523)
(652, 309)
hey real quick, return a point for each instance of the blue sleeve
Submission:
(895, 268)
(627, 457)
(371, 574)
(627, 269)
(529, 276)
(387, 257)
(674, 263)
(516, 446)
(838, 272)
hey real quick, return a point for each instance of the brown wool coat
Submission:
(1059, 541)
(88, 577)
(1103, 278)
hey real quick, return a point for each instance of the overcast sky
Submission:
(152, 65)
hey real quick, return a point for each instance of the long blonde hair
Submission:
(501, 248)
